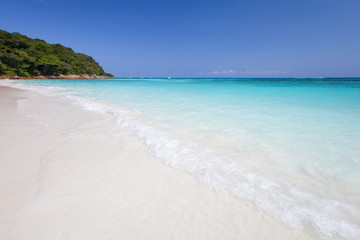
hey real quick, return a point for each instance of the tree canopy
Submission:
(23, 56)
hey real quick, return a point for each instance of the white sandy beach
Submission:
(67, 173)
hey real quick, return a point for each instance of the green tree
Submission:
(25, 56)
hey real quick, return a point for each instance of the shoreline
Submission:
(82, 76)
(73, 174)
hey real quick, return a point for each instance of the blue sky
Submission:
(243, 38)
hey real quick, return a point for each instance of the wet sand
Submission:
(66, 173)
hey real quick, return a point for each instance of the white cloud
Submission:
(249, 72)
(224, 72)
(263, 72)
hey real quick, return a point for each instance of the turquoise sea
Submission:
(290, 146)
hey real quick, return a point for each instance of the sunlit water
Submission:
(291, 146)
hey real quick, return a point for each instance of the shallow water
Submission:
(291, 146)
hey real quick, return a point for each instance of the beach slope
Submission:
(66, 173)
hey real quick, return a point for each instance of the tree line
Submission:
(23, 56)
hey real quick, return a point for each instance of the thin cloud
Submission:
(248, 72)
(224, 72)
(264, 72)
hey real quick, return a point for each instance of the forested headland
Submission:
(27, 57)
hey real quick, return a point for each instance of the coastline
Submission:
(72, 174)
(82, 76)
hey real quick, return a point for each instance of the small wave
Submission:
(329, 218)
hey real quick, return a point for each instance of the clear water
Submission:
(291, 146)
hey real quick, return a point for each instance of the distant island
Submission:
(25, 58)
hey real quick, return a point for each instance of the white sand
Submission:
(66, 173)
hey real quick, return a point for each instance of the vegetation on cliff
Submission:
(23, 56)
